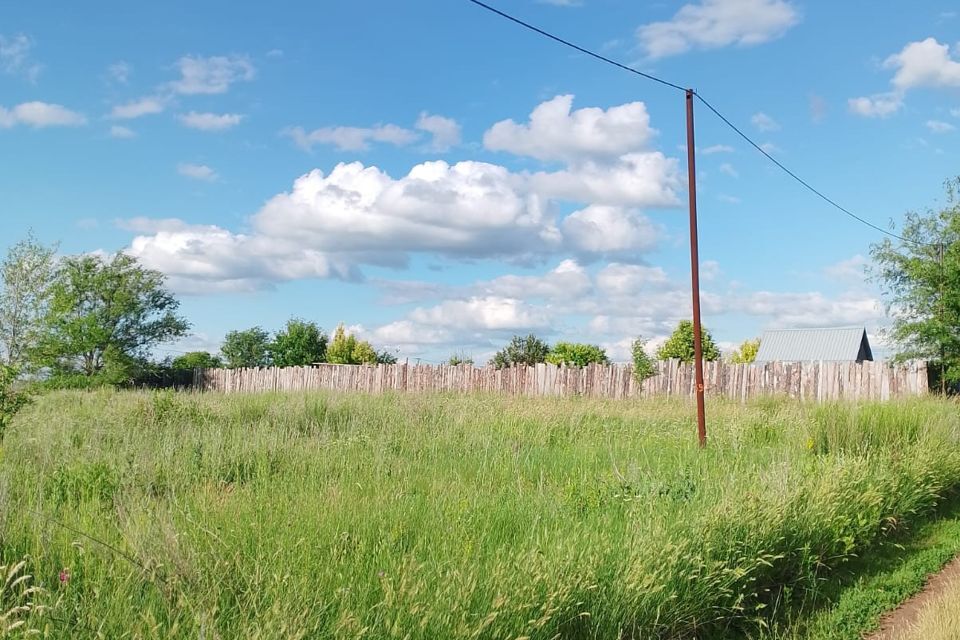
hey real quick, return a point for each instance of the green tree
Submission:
(300, 343)
(747, 352)
(196, 360)
(105, 315)
(246, 349)
(920, 280)
(26, 277)
(11, 400)
(386, 357)
(643, 366)
(577, 354)
(459, 358)
(522, 350)
(680, 344)
(345, 348)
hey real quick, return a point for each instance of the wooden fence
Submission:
(816, 381)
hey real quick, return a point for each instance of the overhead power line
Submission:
(594, 54)
(722, 118)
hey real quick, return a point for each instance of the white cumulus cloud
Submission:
(351, 138)
(39, 115)
(145, 106)
(210, 121)
(211, 75)
(116, 131)
(938, 126)
(197, 171)
(554, 132)
(445, 131)
(880, 105)
(15, 56)
(711, 24)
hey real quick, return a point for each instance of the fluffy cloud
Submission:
(600, 230)
(728, 169)
(351, 138)
(213, 75)
(710, 24)
(359, 215)
(15, 56)
(487, 314)
(926, 63)
(39, 115)
(137, 108)
(202, 259)
(763, 122)
(196, 171)
(555, 133)
(568, 279)
(210, 121)
(445, 131)
(880, 105)
(636, 179)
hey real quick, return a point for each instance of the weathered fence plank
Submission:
(813, 381)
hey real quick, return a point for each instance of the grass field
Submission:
(153, 515)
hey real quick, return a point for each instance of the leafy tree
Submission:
(522, 350)
(680, 344)
(643, 366)
(300, 343)
(920, 279)
(11, 400)
(386, 357)
(577, 354)
(459, 358)
(344, 348)
(246, 349)
(105, 313)
(747, 352)
(196, 360)
(26, 275)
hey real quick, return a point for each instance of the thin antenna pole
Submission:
(695, 274)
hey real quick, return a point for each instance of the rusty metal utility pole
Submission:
(695, 274)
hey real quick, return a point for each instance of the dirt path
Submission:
(897, 622)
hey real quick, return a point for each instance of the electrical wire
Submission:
(574, 46)
(793, 175)
(709, 106)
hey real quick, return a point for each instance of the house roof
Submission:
(848, 344)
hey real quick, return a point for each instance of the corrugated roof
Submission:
(801, 345)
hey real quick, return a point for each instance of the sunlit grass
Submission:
(319, 515)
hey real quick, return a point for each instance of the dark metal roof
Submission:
(848, 344)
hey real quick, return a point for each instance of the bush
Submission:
(528, 350)
(11, 399)
(577, 354)
(643, 366)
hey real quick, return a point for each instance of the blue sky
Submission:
(440, 179)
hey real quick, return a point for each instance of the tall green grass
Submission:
(352, 516)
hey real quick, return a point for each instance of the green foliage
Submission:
(196, 360)
(643, 366)
(522, 350)
(344, 348)
(300, 343)
(246, 349)
(747, 352)
(386, 357)
(577, 354)
(564, 517)
(679, 346)
(26, 276)
(11, 399)
(459, 358)
(922, 291)
(105, 313)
